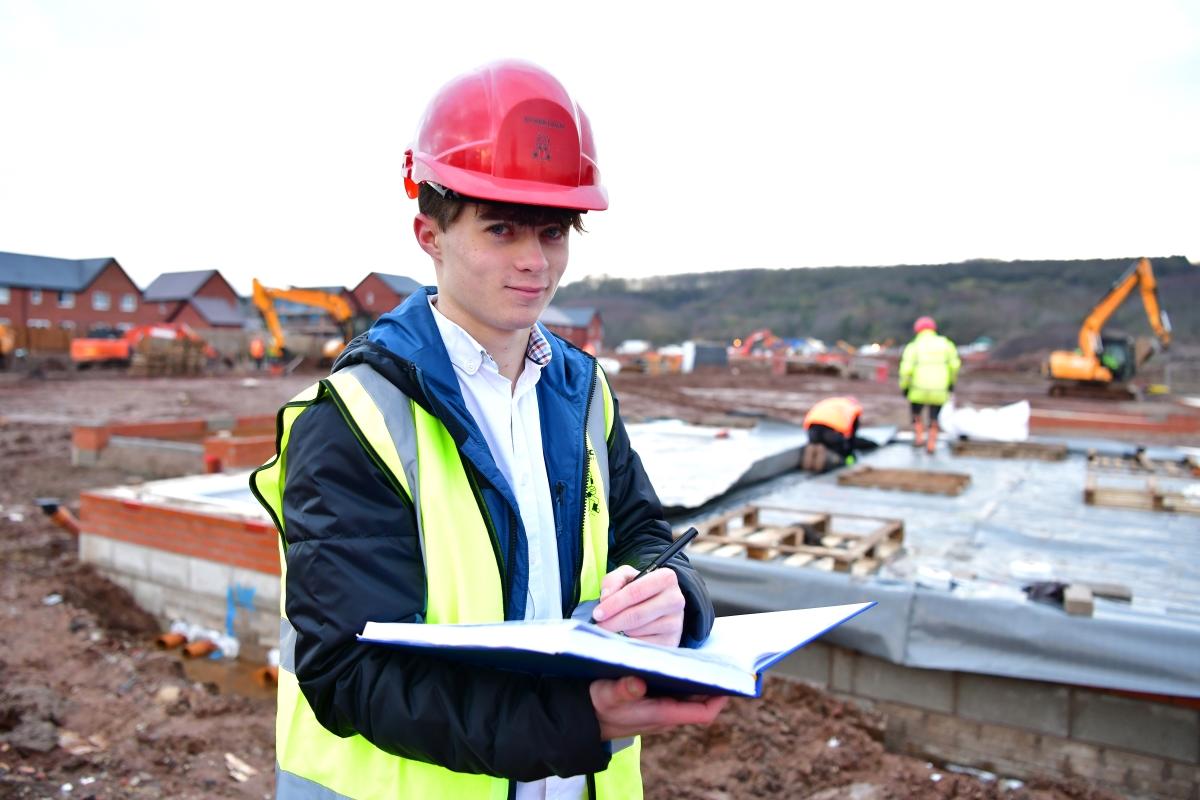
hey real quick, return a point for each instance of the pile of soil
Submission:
(89, 709)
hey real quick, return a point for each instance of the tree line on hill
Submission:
(1023, 306)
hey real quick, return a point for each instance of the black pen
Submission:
(663, 557)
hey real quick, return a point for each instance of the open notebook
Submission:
(731, 660)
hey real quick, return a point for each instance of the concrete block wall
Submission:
(1140, 746)
(181, 563)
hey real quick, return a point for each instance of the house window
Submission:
(370, 298)
(129, 302)
(162, 309)
(67, 325)
(38, 323)
(5, 295)
(66, 299)
(101, 301)
(35, 297)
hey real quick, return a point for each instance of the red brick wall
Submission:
(375, 297)
(188, 315)
(111, 280)
(576, 336)
(218, 287)
(239, 452)
(230, 540)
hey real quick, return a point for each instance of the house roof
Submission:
(398, 283)
(554, 316)
(569, 317)
(42, 272)
(176, 285)
(218, 312)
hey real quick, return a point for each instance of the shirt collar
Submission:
(468, 355)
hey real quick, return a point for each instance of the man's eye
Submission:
(500, 229)
(555, 233)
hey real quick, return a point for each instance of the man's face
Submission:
(495, 277)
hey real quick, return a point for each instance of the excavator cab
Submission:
(1118, 356)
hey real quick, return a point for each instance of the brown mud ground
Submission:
(89, 709)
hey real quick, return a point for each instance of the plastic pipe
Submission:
(267, 677)
(59, 514)
(199, 648)
(169, 641)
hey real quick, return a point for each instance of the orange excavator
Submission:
(108, 346)
(1103, 365)
(335, 305)
(759, 342)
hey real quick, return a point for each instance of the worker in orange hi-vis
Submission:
(258, 351)
(832, 426)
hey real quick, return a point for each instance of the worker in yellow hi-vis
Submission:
(928, 370)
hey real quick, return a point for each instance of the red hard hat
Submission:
(924, 324)
(507, 132)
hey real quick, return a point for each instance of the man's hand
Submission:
(623, 709)
(650, 608)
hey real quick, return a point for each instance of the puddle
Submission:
(230, 675)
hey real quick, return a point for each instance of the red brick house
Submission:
(379, 293)
(579, 326)
(200, 299)
(44, 292)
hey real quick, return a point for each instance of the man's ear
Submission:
(429, 236)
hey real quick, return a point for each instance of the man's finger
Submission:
(635, 592)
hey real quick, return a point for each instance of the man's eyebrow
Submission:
(496, 215)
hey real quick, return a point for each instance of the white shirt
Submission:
(511, 424)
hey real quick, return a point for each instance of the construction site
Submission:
(1036, 635)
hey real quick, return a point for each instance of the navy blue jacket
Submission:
(354, 556)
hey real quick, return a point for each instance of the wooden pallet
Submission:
(1028, 450)
(803, 539)
(907, 480)
(1141, 464)
(1150, 497)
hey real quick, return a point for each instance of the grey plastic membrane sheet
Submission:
(690, 465)
(953, 600)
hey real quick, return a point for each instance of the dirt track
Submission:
(86, 701)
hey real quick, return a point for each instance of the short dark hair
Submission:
(446, 208)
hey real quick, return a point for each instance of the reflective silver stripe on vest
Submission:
(287, 646)
(289, 786)
(397, 412)
(595, 429)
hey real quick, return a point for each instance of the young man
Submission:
(928, 369)
(461, 464)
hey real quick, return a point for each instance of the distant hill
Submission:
(1021, 305)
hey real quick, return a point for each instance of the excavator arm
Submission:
(335, 305)
(265, 303)
(1139, 274)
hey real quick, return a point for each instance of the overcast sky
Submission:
(266, 139)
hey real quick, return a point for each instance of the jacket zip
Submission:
(583, 508)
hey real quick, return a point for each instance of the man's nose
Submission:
(530, 255)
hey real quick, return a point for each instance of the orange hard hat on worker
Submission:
(510, 133)
(924, 324)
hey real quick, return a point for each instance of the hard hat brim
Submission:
(508, 190)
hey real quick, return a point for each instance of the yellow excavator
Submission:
(336, 306)
(1103, 365)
